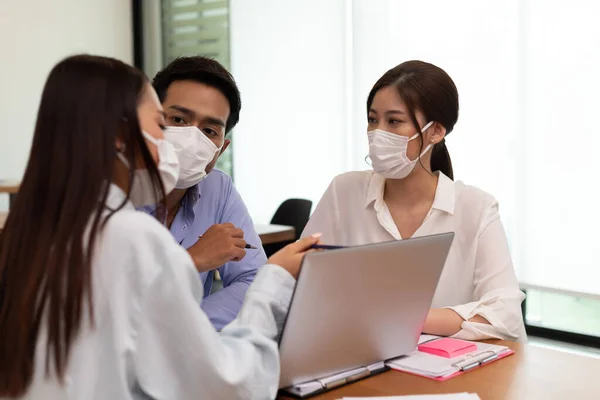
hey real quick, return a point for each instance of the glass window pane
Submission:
(196, 27)
(563, 312)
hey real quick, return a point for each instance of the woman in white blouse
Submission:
(97, 300)
(410, 193)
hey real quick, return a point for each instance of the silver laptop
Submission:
(356, 306)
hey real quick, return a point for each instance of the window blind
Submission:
(196, 27)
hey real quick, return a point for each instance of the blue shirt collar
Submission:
(190, 198)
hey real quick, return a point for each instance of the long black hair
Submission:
(47, 245)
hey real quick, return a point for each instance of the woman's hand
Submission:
(290, 257)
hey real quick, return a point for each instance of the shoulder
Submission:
(139, 240)
(216, 188)
(352, 180)
(216, 178)
(134, 227)
(476, 204)
(470, 196)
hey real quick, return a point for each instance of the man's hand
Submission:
(219, 244)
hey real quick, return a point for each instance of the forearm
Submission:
(446, 322)
(178, 353)
(281, 285)
(223, 306)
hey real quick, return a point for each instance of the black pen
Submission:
(247, 246)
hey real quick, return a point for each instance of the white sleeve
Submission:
(495, 287)
(324, 218)
(178, 353)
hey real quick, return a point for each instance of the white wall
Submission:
(305, 68)
(559, 192)
(35, 35)
(476, 43)
(289, 59)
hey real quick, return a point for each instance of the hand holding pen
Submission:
(220, 244)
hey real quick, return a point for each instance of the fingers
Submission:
(237, 233)
(304, 244)
(241, 243)
(239, 254)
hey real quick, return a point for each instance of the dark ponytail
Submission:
(429, 89)
(440, 159)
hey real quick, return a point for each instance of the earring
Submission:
(432, 140)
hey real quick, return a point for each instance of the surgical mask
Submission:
(387, 152)
(194, 150)
(142, 191)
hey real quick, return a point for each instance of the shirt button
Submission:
(183, 228)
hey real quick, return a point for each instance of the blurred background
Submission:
(527, 73)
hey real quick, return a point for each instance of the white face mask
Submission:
(194, 150)
(387, 152)
(142, 192)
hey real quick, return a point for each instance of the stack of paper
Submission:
(453, 396)
(433, 366)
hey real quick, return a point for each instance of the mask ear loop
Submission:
(368, 161)
(431, 144)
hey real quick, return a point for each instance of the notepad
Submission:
(442, 368)
(447, 347)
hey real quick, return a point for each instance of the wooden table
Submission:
(11, 188)
(275, 233)
(531, 373)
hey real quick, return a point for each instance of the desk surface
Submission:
(531, 373)
(7, 186)
(275, 233)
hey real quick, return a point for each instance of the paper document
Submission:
(453, 396)
(427, 338)
(435, 367)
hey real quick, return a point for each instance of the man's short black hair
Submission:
(203, 70)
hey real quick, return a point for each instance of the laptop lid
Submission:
(359, 305)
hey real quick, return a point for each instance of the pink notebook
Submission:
(447, 347)
(444, 358)
(457, 373)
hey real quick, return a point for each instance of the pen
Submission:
(247, 246)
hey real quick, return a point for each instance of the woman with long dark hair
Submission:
(411, 192)
(97, 301)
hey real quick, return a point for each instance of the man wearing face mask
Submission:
(205, 213)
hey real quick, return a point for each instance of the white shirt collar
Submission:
(443, 199)
(116, 197)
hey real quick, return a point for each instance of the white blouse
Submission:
(151, 340)
(478, 278)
